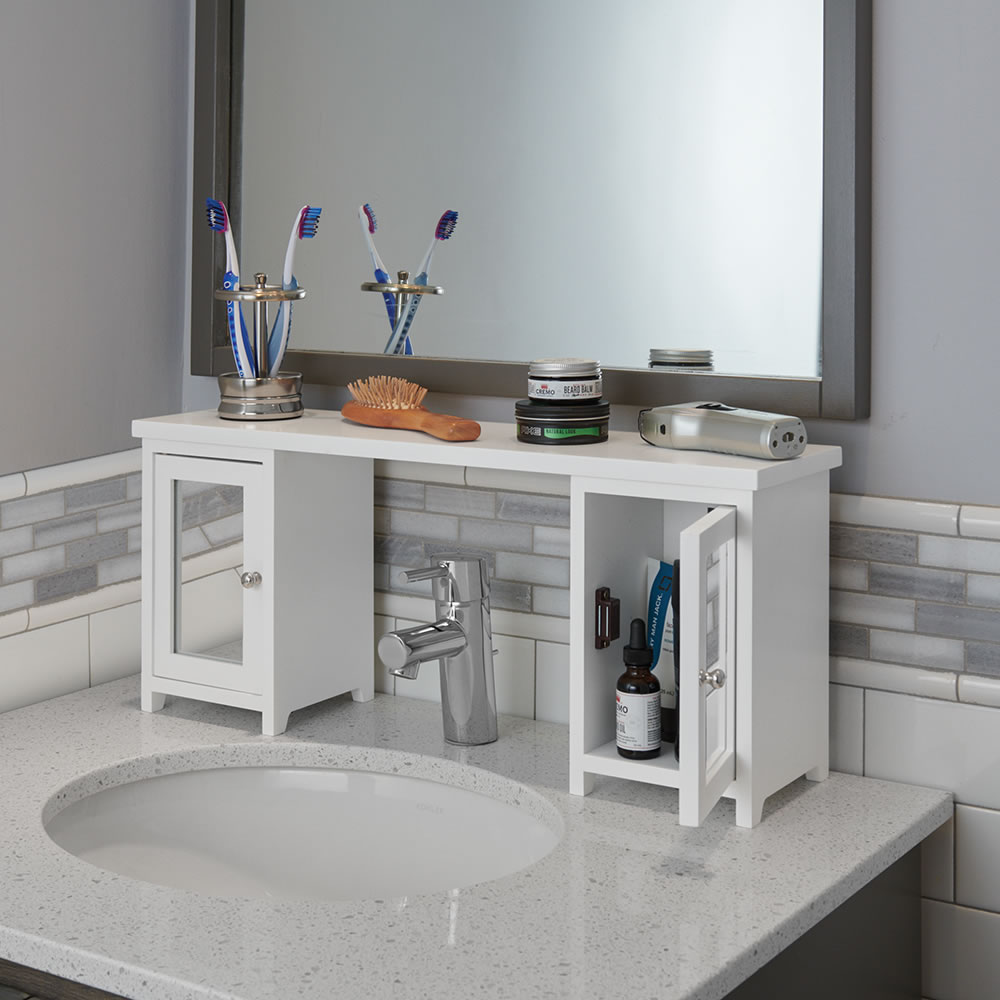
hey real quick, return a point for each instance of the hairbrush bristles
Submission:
(386, 392)
(370, 215)
(446, 225)
(309, 222)
(218, 217)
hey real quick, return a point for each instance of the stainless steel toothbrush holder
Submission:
(401, 290)
(277, 397)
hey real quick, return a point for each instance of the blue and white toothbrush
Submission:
(368, 225)
(399, 338)
(218, 220)
(305, 227)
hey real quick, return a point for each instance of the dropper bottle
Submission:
(637, 699)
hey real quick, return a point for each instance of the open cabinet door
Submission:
(707, 703)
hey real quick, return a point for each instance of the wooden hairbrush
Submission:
(386, 401)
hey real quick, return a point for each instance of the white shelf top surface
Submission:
(623, 456)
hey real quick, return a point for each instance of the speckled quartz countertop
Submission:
(711, 905)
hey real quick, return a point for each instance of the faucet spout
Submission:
(462, 640)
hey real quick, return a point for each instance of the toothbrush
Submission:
(218, 220)
(398, 340)
(369, 224)
(305, 228)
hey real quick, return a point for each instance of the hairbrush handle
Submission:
(439, 425)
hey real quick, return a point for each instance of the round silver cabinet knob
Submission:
(715, 677)
(250, 579)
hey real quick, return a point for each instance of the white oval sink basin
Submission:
(306, 832)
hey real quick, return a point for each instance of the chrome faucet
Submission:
(462, 639)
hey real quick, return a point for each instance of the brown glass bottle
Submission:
(637, 699)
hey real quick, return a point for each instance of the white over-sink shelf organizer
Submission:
(752, 537)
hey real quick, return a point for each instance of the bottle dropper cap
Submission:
(637, 653)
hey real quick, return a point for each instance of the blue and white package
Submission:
(660, 618)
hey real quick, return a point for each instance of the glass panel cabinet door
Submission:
(208, 585)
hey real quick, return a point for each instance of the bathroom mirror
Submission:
(669, 174)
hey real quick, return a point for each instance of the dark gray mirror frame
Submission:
(842, 392)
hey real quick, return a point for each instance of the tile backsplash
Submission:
(914, 631)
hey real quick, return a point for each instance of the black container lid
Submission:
(637, 653)
(536, 409)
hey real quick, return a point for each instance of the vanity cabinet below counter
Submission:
(752, 536)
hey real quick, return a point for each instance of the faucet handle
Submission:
(427, 573)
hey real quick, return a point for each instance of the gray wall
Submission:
(94, 219)
(933, 432)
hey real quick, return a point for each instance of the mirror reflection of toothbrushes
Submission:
(398, 340)
(305, 228)
(218, 221)
(368, 225)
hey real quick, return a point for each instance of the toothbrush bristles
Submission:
(446, 225)
(386, 392)
(309, 222)
(370, 214)
(218, 217)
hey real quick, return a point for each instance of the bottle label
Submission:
(638, 720)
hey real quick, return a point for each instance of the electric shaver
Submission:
(717, 427)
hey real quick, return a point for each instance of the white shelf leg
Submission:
(366, 692)
(151, 701)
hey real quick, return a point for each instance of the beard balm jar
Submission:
(565, 380)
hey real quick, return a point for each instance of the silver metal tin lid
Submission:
(678, 356)
(564, 368)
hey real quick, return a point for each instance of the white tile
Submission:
(11, 624)
(514, 672)
(847, 729)
(979, 522)
(115, 643)
(937, 864)
(970, 554)
(211, 611)
(979, 690)
(961, 952)
(44, 663)
(866, 609)
(521, 482)
(977, 857)
(548, 628)
(916, 650)
(893, 677)
(548, 570)
(12, 487)
(936, 743)
(421, 472)
(848, 574)
(901, 515)
(551, 541)
(89, 470)
(384, 681)
(113, 596)
(552, 682)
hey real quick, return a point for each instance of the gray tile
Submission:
(917, 650)
(547, 570)
(533, 508)
(427, 526)
(551, 541)
(461, 500)
(381, 577)
(73, 581)
(848, 640)
(550, 601)
(510, 596)
(121, 515)
(65, 529)
(133, 486)
(871, 609)
(30, 510)
(99, 494)
(17, 596)
(127, 567)
(495, 534)
(28, 565)
(97, 547)
(983, 658)
(397, 551)
(381, 520)
(917, 581)
(16, 540)
(224, 530)
(961, 623)
(134, 539)
(849, 574)
(847, 542)
(211, 505)
(984, 590)
(399, 493)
